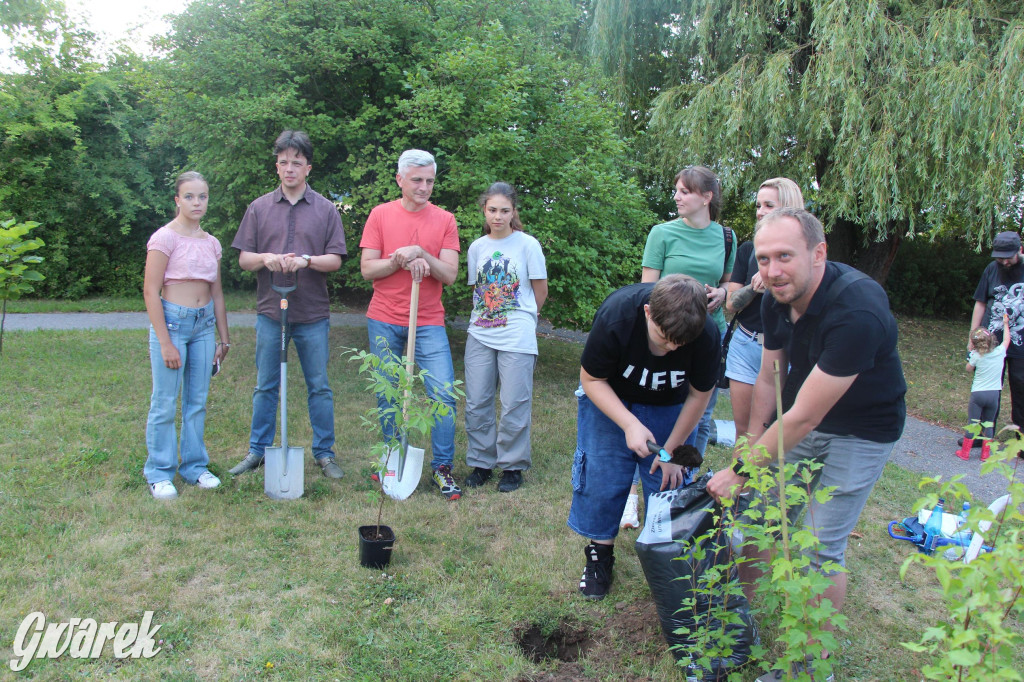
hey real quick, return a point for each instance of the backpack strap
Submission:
(809, 342)
(728, 237)
(840, 285)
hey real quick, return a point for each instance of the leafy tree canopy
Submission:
(496, 91)
(74, 156)
(900, 117)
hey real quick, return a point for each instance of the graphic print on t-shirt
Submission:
(654, 380)
(1010, 301)
(497, 291)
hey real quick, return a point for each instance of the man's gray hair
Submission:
(415, 158)
(813, 232)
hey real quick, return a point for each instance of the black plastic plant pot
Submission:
(374, 549)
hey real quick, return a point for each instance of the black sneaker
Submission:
(510, 480)
(442, 478)
(597, 574)
(478, 477)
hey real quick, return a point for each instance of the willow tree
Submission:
(897, 118)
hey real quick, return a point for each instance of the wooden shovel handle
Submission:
(410, 355)
(414, 304)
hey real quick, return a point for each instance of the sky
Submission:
(134, 20)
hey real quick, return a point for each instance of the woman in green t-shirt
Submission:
(693, 244)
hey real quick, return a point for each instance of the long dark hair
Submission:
(506, 190)
(701, 179)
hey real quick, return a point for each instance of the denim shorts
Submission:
(603, 467)
(853, 466)
(743, 361)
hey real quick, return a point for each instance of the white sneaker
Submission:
(207, 480)
(630, 515)
(163, 490)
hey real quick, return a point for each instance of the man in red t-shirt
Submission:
(403, 240)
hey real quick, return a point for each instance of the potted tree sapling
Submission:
(409, 412)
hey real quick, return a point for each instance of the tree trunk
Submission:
(876, 258)
(846, 244)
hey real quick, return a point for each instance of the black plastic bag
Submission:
(675, 518)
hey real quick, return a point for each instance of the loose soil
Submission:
(630, 631)
(369, 533)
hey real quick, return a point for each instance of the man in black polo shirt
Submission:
(843, 392)
(1001, 290)
(647, 371)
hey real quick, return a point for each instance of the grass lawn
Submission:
(934, 354)
(240, 301)
(246, 588)
(933, 351)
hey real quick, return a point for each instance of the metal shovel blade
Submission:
(411, 469)
(283, 473)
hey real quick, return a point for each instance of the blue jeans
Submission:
(702, 433)
(311, 345)
(744, 359)
(603, 467)
(192, 333)
(433, 355)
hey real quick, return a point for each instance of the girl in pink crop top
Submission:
(185, 302)
(188, 258)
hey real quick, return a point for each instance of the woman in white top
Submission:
(509, 278)
(184, 300)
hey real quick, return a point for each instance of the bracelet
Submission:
(226, 345)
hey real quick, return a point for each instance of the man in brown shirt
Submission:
(290, 229)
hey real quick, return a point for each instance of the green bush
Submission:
(935, 278)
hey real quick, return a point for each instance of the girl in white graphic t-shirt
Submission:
(509, 279)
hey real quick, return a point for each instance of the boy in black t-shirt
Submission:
(648, 369)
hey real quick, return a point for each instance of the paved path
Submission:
(36, 321)
(924, 447)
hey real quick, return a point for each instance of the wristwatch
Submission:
(737, 466)
(306, 257)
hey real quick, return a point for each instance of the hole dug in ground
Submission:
(572, 650)
(567, 642)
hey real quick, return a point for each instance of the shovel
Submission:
(283, 466)
(405, 463)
